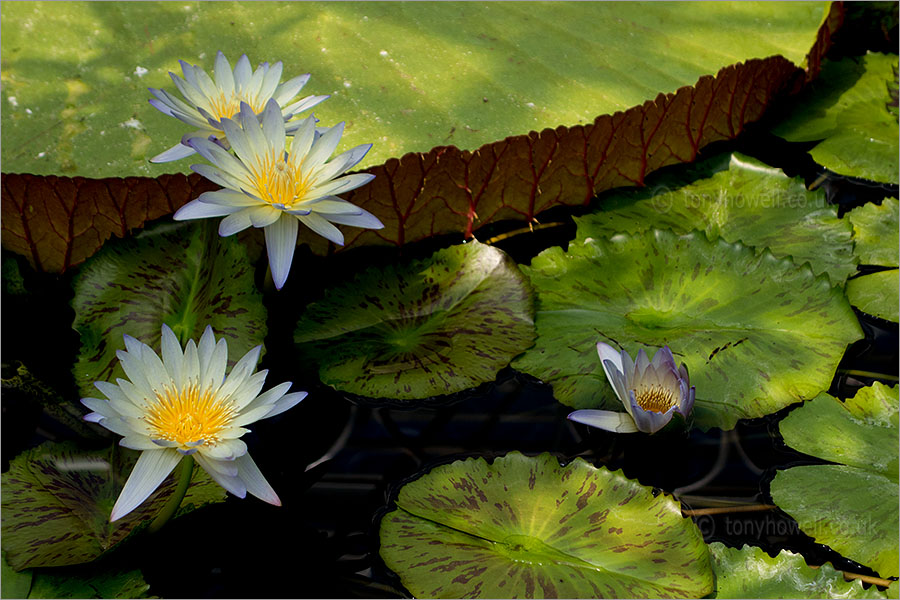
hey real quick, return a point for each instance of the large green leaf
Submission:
(14, 584)
(848, 109)
(851, 507)
(526, 527)
(749, 572)
(877, 294)
(746, 202)
(425, 328)
(57, 500)
(876, 234)
(84, 583)
(757, 333)
(183, 275)
(405, 76)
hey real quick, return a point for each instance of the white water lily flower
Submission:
(651, 391)
(184, 405)
(276, 188)
(208, 101)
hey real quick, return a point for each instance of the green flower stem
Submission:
(872, 374)
(174, 501)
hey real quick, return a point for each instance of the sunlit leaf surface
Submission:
(426, 328)
(852, 506)
(848, 108)
(756, 333)
(749, 572)
(876, 233)
(183, 275)
(57, 501)
(876, 294)
(745, 201)
(526, 527)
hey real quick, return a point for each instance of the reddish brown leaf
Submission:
(58, 222)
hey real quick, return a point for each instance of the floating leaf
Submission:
(444, 189)
(751, 573)
(183, 275)
(14, 584)
(57, 500)
(429, 327)
(757, 333)
(526, 527)
(405, 76)
(851, 507)
(848, 109)
(875, 231)
(84, 583)
(876, 294)
(745, 201)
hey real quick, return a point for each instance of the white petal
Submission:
(231, 483)
(263, 215)
(240, 143)
(287, 90)
(255, 482)
(213, 373)
(205, 349)
(134, 369)
(321, 226)
(152, 467)
(138, 442)
(118, 425)
(287, 402)
(102, 407)
(224, 75)
(267, 398)
(220, 157)
(228, 198)
(216, 175)
(176, 152)
(119, 401)
(239, 373)
(259, 144)
(242, 72)
(300, 106)
(273, 123)
(235, 222)
(251, 416)
(342, 184)
(366, 220)
(225, 450)
(604, 419)
(342, 162)
(302, 140)
(281, 239)
(333, 205)
(191, 361)
(270, 81)
(250, 388)
(324, 147)
(201, 210)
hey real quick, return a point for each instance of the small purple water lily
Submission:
(651, 391)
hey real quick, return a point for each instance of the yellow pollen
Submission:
(188, 415)
(227, 107)
(655, 398)
(278, 182)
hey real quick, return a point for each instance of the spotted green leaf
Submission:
(745, 201)
(425, 328)
(876, 232)
(757, 333)
(183, 275)
(749, 572)
(876, 294)
(527, 527)
(851, 506)
(404, 76)
(849, 109)
(57, 500)
(82, 582)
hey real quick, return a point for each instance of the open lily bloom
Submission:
(652, 392)
(208, 101)
(184, 405)
(271, 186)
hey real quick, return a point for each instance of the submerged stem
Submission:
(174, 501)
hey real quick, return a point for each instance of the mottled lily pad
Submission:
(852, 506)
(745, 201)
(848, 108)
(756, 333)
(749, 572)
(877, 294)
(57, 500)
(88, 583)
(526, 527)
(876, 233)
(429, 327)
(183, 275)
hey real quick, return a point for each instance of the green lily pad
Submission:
(526, 527)
(876, 294)
(848, 108)
(876, 233)
(57, 500)
(429, 327)
(851, 507)
(183, 275)
(14, 584)
(405, 76)
(749, 572)
(84, 583)
(756, 333)
(745, 201)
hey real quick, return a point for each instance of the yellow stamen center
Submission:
(655, 398)
(278, 182)
(227, 106)
(189, 415)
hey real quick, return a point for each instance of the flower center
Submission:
(187, 416)
(279, 183)
(655, 398)
(225, 107)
